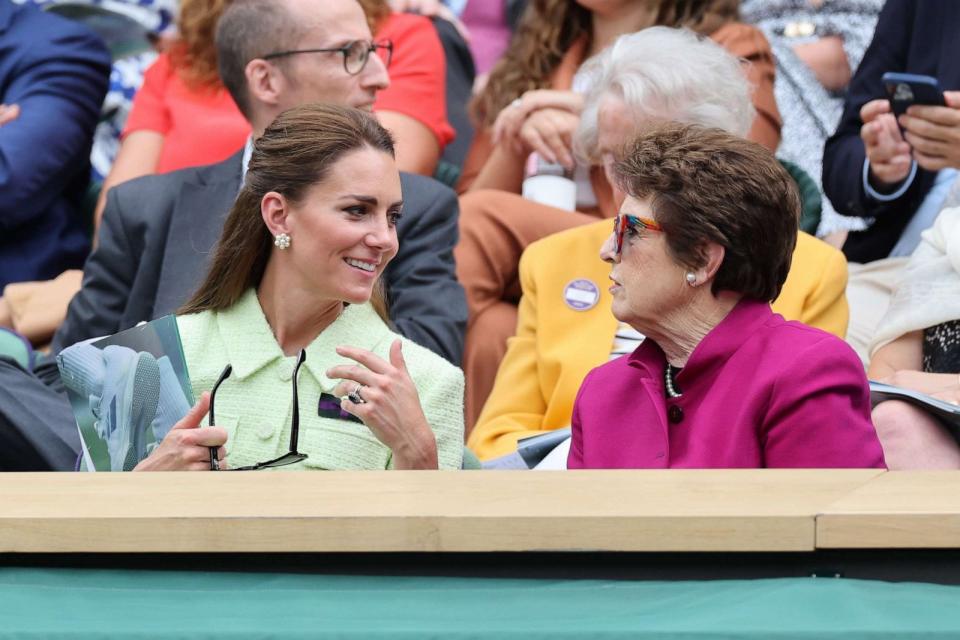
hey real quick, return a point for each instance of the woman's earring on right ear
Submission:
(281, 241)
(691, 278)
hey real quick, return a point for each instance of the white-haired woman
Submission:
(565, 325)
(496, 224)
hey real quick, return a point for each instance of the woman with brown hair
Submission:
(553, 40)
(533, 103)
(296, 272)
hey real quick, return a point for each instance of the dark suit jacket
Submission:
(158, 232)
(912, 36)
(57, 71)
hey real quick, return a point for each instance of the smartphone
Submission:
(905, 89)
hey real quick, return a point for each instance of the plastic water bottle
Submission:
(549, 183)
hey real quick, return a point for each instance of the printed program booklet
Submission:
(126, 390)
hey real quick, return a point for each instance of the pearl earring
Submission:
(281, 241)
(691, 278)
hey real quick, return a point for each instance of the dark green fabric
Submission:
(811, 201)
(16, 347)
(61, 603)
(470, 461)
(447, 173)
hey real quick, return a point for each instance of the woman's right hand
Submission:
(187, 446)
(549, 132)
(511, 119)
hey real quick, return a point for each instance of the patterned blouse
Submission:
(941, 348)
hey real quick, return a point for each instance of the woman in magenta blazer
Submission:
(702, 243)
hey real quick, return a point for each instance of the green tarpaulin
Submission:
(75, 603)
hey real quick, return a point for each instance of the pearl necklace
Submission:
(668, 382)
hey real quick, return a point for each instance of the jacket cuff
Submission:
(887, 197)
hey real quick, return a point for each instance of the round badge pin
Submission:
(581, 295)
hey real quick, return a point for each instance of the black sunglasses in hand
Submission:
(292, 456)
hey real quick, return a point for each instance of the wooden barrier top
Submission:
(898, 509)
(744, 510)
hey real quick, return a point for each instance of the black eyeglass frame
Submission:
(290, 457)
(344, 51)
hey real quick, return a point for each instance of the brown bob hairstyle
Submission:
(295, 152)
(707, 185)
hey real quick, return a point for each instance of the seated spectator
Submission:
(565, 326)
(701, 245)
(872, 171)
(183, 101)
(413, 108)
(816, 46)
(158, 231)
(180, 103)
(533, 97)
(917, 346)
(53, 76)
(321, 182)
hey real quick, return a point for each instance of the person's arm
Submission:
(845, 154)
(144, 133)
(417, 148)
(899, 363)
(413, 107)
(490, 166)
(138, 155)
(819, 412)
(58, 87)
(426, 303)
(516, 406)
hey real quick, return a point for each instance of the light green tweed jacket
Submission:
(255, 403)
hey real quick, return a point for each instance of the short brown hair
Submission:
(295, 152)
(708, 185)
(247, 30)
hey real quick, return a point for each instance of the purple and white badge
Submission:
(581, 295)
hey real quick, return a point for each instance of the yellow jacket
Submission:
(556, 346)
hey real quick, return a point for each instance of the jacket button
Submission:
(675, 414)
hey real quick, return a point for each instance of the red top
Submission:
(199, 127)
(418, 83)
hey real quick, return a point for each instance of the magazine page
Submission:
(127, 391)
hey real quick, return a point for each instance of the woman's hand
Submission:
(932, 384)
(391, 406)
(549, 132)
(187, 446)
(511, 119)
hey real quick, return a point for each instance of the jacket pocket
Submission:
(339, 444)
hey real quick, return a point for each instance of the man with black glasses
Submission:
(157, 231)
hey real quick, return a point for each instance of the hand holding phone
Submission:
(908, 89)
(928, 117)
(886, 149)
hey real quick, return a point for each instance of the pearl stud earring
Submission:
(691, 278)
(281, 241)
